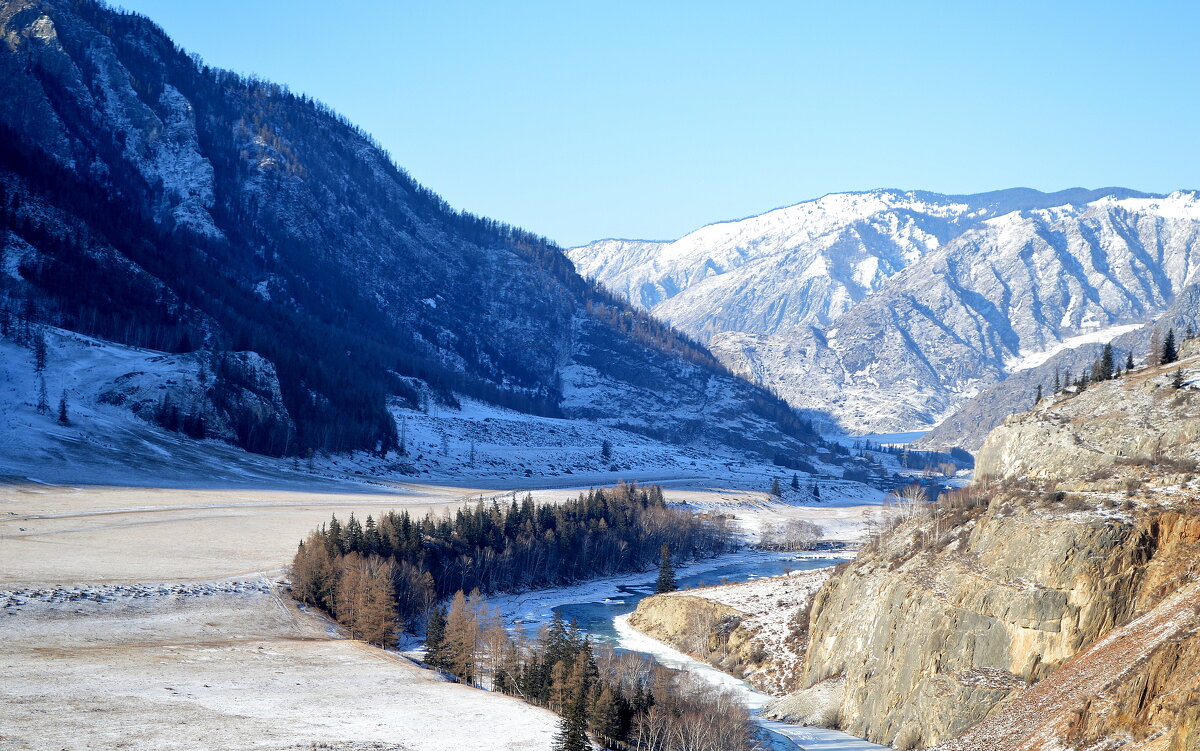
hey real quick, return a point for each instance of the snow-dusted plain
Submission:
(229, 670)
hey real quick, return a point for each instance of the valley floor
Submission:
(150, 617)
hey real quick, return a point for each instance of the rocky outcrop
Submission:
(1057, 609)
(755, 630)
(234, 394)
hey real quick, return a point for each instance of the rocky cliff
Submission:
(1138, 419)
(1056, 609)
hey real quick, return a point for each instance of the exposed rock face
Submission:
(1030, 619)
(233, 393)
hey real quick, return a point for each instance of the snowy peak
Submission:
(803, 264)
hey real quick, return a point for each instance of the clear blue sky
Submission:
(649, 119)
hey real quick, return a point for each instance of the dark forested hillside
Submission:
(151, 200)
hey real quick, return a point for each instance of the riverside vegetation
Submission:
(375, 578)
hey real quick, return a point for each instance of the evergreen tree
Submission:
(775, 489)
(606, 451)
(354, 535)
(1169, 353)
(1057, 382)
(556, 641)
(1038, 399)
(1177, 379)
(572, 729)
(1105, 372)
(795, 481)
(816, 492)
(63, 418)
(666, 572)
(39, 351)
(435, 639)
(1129, 362)
(43, 403)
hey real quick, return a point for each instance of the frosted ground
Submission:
(139, 600)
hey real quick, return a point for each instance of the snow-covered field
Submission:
(220, 669)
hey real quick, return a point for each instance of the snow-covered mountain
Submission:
(892, 309)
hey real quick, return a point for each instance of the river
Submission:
(602, 610)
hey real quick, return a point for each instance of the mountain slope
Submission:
(152, 200)
(798, 265)
(970, 425)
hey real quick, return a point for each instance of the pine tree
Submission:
(795, 481)
(354, 535)
(1038, 399)
(606, 451)
(1105, 372)
(1169, 353)
(435, 639)
(666, 572)
(572, 729)
(63, 418)
(816, 492)
(1177, 379)
(39, 351)
(1129, 362)
(775, 489)
(1057, 382)
(43, 403)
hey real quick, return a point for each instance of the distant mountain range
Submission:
(892, 309)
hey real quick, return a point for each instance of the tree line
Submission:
(375, 575)
(1163, 350)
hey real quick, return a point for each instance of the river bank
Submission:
(602, 609)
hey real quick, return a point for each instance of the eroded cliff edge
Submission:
(1055, 607)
